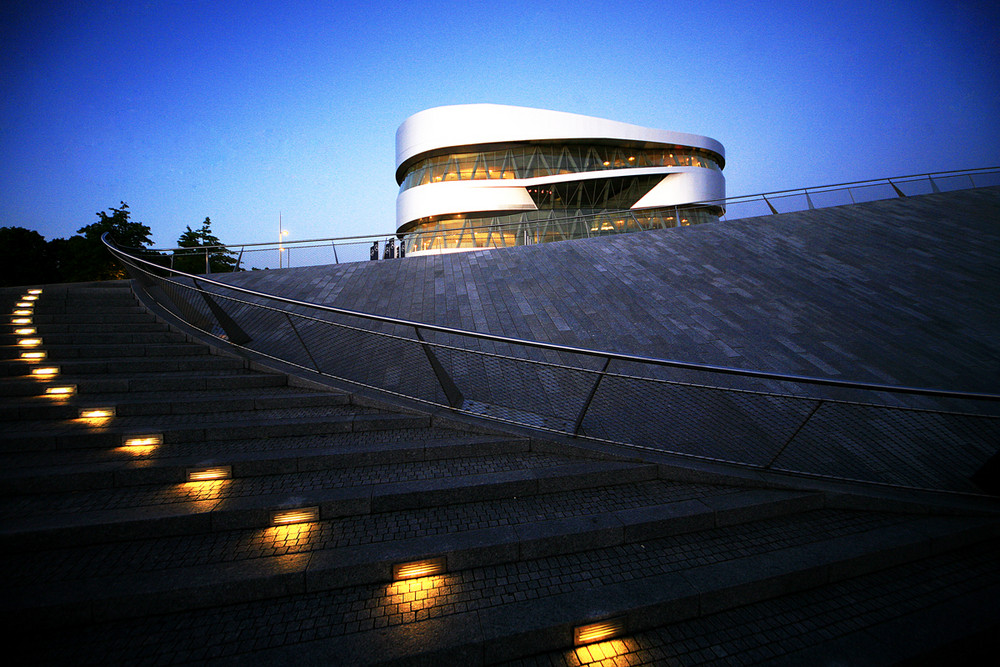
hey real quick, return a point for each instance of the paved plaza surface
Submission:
(117, 553)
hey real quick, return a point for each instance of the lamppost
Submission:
(281, 234)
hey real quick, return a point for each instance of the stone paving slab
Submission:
(589, 583)
(883, 618)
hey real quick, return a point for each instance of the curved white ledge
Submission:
(473, 124)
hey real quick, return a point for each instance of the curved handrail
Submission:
(723, 203)
(587, 352)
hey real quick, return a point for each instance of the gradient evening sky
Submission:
(239, 110)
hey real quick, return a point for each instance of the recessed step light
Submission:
(144, 440)
(419, 568)
(25, 331)
(300, 515)
(61, 391)
(21, 320)
(210, 473)
(29, 342)
(22, 311)
(45, 371)
(599, 631)
(34, 355)
(23, 304)
(35, 292)
(97, 413)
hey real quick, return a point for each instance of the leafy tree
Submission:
(204, 244)
(92, 261)
(24, 257)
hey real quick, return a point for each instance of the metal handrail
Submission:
(582, 351)
(768, 430)
(721, 203)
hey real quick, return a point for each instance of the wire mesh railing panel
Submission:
(893, 445)
(701, 421)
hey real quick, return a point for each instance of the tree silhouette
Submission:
(207, 254)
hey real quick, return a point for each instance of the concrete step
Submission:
(486, 584)
(176, 381)
(76, 327)
(97, 349)
(111, 337)
(38, 408)
(25, 475)
(134, 315)
(149, 364)
(112, 515)
(75, 434)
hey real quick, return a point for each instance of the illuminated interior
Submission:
(300, 515)
(420, 568)
(599, 631)
(552, 158)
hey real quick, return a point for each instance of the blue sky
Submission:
(239, 110)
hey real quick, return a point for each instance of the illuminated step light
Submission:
(596, 632)
(206, 474)
(418, 568)
(61, 391)
(29, 342)
(24, 304)
(30, 297)
(22, 311)
(21, 320)
(45, 371)
(34, 355)
(301, 515)
(25, 331)
(97, 413)
(36, 292)
(144, 440)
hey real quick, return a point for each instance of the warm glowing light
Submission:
(61, 391)
(301, 515)
(30, 297)
(205, 474)
(21, 320)
(595, 632)
(23, 304)
(29, 342)
(146, 440)
(36, 292)
(603, 652)
(33, 356)
(22, 311)
(25, 331)
(97, 413)
(419, 568)
(45, 371)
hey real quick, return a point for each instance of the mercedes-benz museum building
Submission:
(477, 176)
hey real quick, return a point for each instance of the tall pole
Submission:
(279, 239)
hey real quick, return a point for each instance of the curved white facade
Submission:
(486, 175)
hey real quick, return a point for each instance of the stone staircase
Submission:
(119, 545)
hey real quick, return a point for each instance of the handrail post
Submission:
(590, 397)
(451, 390)
(794, 435)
